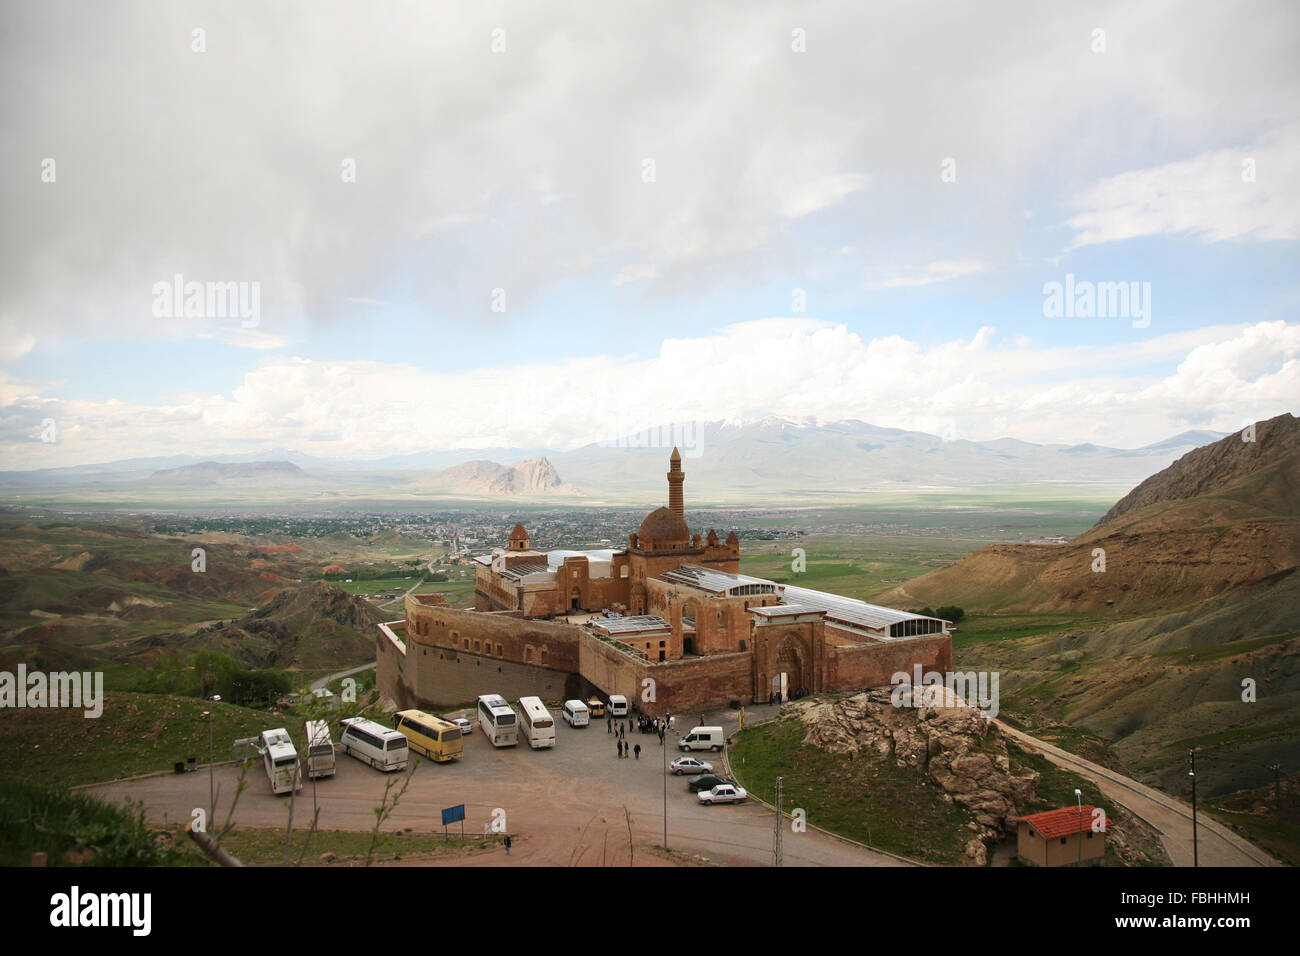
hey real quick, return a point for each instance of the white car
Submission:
(464, 725)
(723, 793)
(689, 765)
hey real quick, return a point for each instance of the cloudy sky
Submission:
(536, 224)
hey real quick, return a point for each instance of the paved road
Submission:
(1218, 845)
(575, 804)
(322, 681)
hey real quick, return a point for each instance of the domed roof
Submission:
(662, 526)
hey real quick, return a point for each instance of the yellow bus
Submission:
(434, 737)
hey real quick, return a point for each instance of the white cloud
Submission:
(749, 140)
(934, 272)
(978, 388)
(1223, 194)
(636, 273)
(810, 197)
(250, 338)
(14, 347)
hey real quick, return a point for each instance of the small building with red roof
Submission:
(1070, 836)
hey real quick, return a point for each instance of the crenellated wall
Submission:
(445, 657)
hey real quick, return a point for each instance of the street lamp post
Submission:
(1192, 773)
(212, 757)
(663, 746)
(1078, 800)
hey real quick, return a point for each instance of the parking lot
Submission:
(575, 804)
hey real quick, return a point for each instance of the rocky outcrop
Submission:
(536, 476)
(963, 753)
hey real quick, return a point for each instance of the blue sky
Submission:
(822, 211)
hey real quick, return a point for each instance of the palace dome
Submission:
(662, 526)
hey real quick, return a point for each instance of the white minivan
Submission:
(703, 738)
(320, 750)
(617, 705)
(576, 713)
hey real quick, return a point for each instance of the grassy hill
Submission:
(888, 777)
(137, 733)
(1222, 517)
(87, 596)
(1190, 637)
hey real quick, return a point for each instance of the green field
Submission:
(983, 628)
(858, 567)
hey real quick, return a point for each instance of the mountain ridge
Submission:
(1219, 518)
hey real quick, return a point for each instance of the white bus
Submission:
(536, 723)
(497, 721)
(381, 747)
(617, 705)
(280, 758)
(320, 750)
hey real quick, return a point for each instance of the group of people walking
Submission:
(624, 750)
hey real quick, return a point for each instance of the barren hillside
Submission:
(1221, 517)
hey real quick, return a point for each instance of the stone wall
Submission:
(451, 656)
(872, 665)
(680, 686)
(499, 635)
(431, 676)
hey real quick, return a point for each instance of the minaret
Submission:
(675, 478)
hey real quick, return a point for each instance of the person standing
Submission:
(619, 745)
(609, 723)
(507, 842)
(637, 750)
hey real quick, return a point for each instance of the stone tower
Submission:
(519, 540)
(675, 478)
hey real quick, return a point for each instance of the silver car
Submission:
(689, 765)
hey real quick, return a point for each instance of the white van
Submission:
(320, 750)
(576, 713)
(617, 705)
(280, 758)
(703, 738)
(372, 743)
